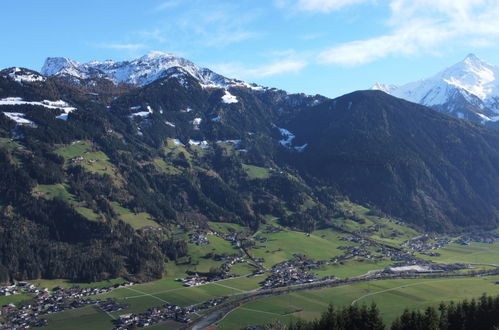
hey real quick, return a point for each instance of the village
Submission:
(221, 274)
(48, 302)
(166, 312)
(297, 271)
(293, 272)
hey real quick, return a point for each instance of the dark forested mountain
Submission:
(406, 159)
(90, 146)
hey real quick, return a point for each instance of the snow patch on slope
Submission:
(59, 105)
(228, 98)
(286, 142)
(202, 144)
(19, 118)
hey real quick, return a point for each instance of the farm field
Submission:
(391, 296)
(281, 246)
(14, 299)
(256, 172)
(375, 227)
(143, 296)
(477, 253)
(136, 220)
(92, 160)
(60, 191)
(50, 284)
(89, 317)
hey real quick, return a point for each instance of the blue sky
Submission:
(330, 47)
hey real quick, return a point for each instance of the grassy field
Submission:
(9, 145)
(50, 284)
(225, 227)
(478, 253)
(217, 246)
(391, 296)
(164, 167)
(89, 317)
(54, 191)
(143, 296)
(378, 228)
(136, 220)
(256, 172)
(14, 299)
(173, 151)
(282, 245)
(93, 160)
(60, 191)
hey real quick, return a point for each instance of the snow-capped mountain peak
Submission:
(142, 71)
(468, 89)
(384, 87)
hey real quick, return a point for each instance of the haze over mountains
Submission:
(160, 136)
(468, 89)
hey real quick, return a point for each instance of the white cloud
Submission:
(422, 26)
(326, 6)
(203, 23)
(118, 46)
(278, 67)
(318, 6)
(167, 5)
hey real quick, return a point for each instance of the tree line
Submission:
(482, 313)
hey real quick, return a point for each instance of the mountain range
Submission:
(88, 149)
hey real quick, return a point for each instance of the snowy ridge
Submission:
(141, 71)
(384, 88)
(22, 75)
(471, 83)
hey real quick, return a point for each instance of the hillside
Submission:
(407, 160)
(98, 174)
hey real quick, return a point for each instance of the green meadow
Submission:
(93, 160)
(391, 296)
(256, 172)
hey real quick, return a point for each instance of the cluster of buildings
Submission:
(352, 252)
(272, 229)
(489, 237)
(198, 239)
(195, 280)
(292, 272)
(424, 243)
(77, 160)
(166, 312)
(48, 302)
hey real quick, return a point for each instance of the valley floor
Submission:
(284, 275)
